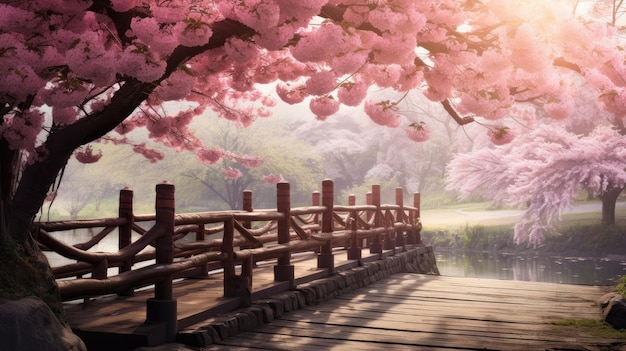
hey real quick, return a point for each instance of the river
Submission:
(537, 268)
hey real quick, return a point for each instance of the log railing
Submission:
(160, 254)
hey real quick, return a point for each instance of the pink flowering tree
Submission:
(546, 168)
(79, 71)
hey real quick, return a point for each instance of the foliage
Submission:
(481, 238)
(593, 238)
(593, 327)
(543, 171)
(298, 164)
(621, 286)
(580, 239)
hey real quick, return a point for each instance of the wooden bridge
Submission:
(325, 276)
(175, 248)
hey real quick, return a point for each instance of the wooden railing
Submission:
(160, 254)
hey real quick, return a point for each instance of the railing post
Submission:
(376, 246)
(125, 210)
(389, 243)
(234, 286)
(354, 251)
(368, 217)
(418, 231)
(326, 259)
(248, 264)
(284, 270)
(162, 308)
(400, 241)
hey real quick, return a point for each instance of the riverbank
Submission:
(581, 240)
(474, 227)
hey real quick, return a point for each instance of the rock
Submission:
(28, 324)
(615, 312)
(604, 300)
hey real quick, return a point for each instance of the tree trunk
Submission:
(609, 198)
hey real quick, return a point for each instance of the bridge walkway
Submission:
(424, 312)
(111, 321)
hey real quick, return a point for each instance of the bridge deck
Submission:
(423, 312)
(197, 299)
(403, 312)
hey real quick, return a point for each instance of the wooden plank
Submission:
(420, 312)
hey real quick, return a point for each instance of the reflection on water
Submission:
(110, 243)
(565, 270)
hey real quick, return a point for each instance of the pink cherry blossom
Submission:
(232, 173)
(210, 156)
(291, 95)
(241, 51)
(560, 109)
(250, 161)
(324, 106)
(151, 154)
(352, 94)
(500, 135)
(321, 83)
(383, 113)
(20, 129)
(123, 5)
(273, 178)
(87, 155)
(64, 115)
(417, 132)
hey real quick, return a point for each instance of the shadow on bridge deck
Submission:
(118, 322)
(424, 312)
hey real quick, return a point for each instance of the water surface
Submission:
(537, 268)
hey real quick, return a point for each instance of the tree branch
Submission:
(455, 115)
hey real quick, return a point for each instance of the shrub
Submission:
(621, 286)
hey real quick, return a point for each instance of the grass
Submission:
(477, 227)
(594, 327)
(621, 286)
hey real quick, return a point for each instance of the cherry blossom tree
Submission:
(545, 168)
(77, 71)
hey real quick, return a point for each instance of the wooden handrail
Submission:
(243, 238)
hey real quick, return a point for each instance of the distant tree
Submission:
(228, 178)
(347, 150)
(417, 166)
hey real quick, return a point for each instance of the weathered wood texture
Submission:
(117, 322)
(424, 312)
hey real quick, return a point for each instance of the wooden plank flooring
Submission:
(423, 312)
(124, 314)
